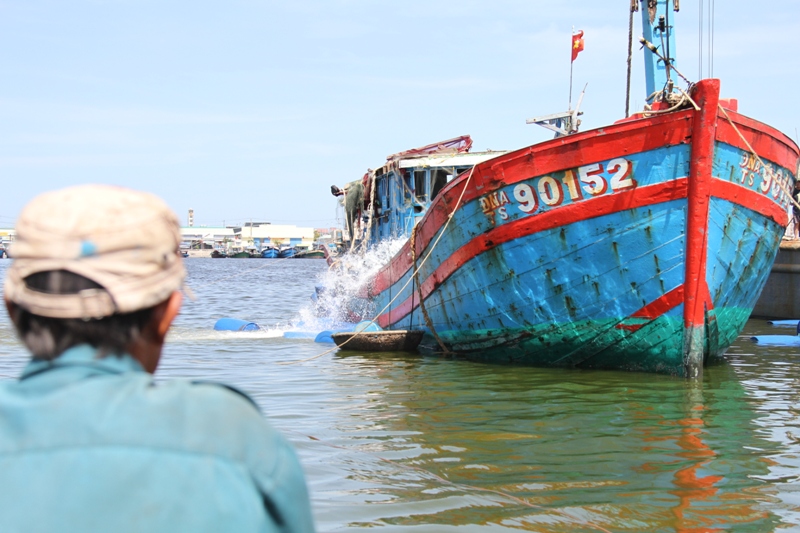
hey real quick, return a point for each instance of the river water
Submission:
(423, 444)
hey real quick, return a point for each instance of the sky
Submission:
(249, 110)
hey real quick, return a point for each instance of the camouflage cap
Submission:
(124, 240)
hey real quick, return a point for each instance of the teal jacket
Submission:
(95, 445)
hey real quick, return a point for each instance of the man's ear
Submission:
(147, 347)
(165, 314)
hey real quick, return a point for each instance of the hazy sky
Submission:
(251, 109)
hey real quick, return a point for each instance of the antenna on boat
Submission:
(574, 123)
(562, 124)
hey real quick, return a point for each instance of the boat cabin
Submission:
(404, 188)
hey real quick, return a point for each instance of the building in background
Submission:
(328, 236)
(251, 236)
(255, 235)
(6, 238)
(206, 238)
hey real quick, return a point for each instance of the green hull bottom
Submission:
(631, 344)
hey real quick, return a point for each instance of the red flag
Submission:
(577, 44)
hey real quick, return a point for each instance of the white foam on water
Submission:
(337, 300)
(336, 305)
(180, 334)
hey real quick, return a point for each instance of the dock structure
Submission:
(780, 298)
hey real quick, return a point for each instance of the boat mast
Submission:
(658, 28)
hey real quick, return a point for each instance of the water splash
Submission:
(341, 290)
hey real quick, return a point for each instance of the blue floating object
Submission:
(234, 324)
(777, 340)
(366, 325)
(325, 336)
(784, 323)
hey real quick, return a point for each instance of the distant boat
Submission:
(241, 255)
(310, 254)
(270, 252)
(184, 253)
(216, 254)
(287, 252)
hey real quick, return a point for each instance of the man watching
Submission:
(88, 441)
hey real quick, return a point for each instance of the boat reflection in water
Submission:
(457, 443)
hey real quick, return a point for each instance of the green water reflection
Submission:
(554, 450)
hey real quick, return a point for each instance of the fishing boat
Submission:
(310, 254)
(219, 254)
(642, 245)
(285, 253)
(270, 252)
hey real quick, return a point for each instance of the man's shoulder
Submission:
(206, 400)
(217, 419)
(217, 389)
(133, 412)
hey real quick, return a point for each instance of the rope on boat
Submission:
(680, 101)
(326, 352)
(650, 46)
(428, 321)
(634, 7)
(675, 101)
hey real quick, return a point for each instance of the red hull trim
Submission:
(750, 199)
(656, 308)
(706, 94)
